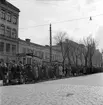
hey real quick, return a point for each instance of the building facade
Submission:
(30, 52)
(13, 48)
(75, 55)
(97, 58)
(9, 21)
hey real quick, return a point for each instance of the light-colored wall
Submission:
(5, 39)
(96, 60)
(43, 49)
(10, 24)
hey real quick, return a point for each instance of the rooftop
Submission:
(46, 46)
(6, 3)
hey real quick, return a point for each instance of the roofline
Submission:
(31, 43)
(12, 6)
(6, 3)
(37, 44)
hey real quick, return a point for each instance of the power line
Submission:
(76, 19)
(35, 26)
(56, 4)
(64, 21)
(49, 3)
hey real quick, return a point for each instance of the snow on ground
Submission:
(71, 91)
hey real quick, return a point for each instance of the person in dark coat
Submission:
(1, 72)
(5, 71)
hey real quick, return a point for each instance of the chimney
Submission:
(66, 40)
(46, 45)
(27, 40)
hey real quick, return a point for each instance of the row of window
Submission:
(8, 16)
(9, 48)
(41, 54)
(8, 31)
(29, 61)
(54, 56)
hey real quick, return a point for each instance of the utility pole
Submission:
(50, 44)
(90, 18)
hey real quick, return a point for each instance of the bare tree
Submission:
(89, 48)
(77, 54)
(72, 53)
(73, 50)
(81, 54)
(101, 57)
(68, 45)
(60, 39)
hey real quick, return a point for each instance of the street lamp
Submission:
(90, 18)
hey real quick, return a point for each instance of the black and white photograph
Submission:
(51, 52)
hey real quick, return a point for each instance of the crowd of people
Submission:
(13, 72)
(19, 73)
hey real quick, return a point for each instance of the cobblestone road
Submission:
(51, 94)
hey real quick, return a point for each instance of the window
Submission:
(28, 50)
(56, 57)
(40, 54)
(31, 51)
(8, 48)
(8, 31)
(2, 29)
(1, 46)
(3, 14)
(13, 49)
(53, 57)
(9, 17)
(35, 53)
(24, 60)
(14, 20)
(47, 56)
(28, 60)
(24, 50)
(14, 33)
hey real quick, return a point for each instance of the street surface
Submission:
(86, 90)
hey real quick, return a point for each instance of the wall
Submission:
(42, 52)
(4, 37)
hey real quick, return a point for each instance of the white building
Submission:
(9, 16)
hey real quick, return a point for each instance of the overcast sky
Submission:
(38, 12)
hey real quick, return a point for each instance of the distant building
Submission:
(97, 59)
(30, 52)
(9, 21)
(13, 48)
(76, 54)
